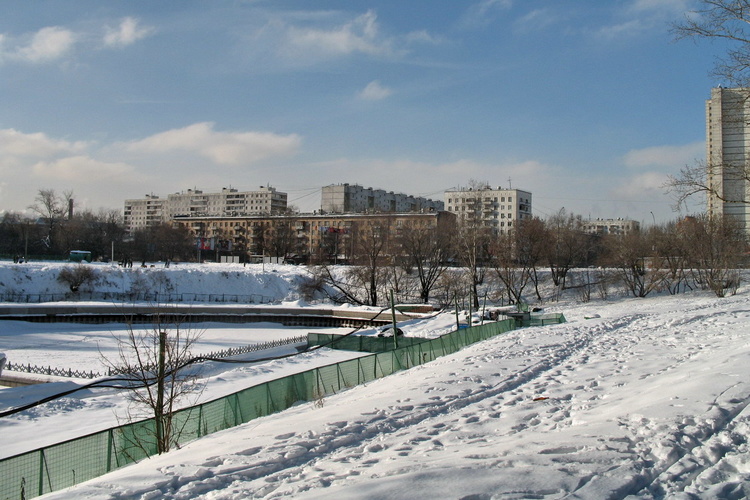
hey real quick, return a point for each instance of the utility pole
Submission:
(393, 319)
(159, 413)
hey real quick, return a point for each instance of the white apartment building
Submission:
(230, 202)
(148, 211)
(611, 226)
(728, 153)
(353, 198)
(497, 208)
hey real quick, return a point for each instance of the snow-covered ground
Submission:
(647, 399)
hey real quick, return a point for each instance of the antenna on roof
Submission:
(510, 186)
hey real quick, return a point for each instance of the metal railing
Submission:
(74, 373)
(150, 297)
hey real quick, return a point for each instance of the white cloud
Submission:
(666, 6)
(629, 28)
(374, 91)
(81, 170)
(47, 44)
(127, 33)
(536, 20)
(54, 43)
(17, 144)
(361, 35)
(225, 148)
(640, 186)
(482, 13)
(674, 157)
(640, 16)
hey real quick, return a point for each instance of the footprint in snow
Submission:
(249, 451)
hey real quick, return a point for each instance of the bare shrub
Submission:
(77, 276)
(311, 287)
(604, 281)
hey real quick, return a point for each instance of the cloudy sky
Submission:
(587, 104)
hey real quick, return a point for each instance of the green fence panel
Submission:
(20, 475)
(187, 424)
(306, 385)
(282, 393)
(328, 379)
(134, 441)
(368, 368)
(213, 416)
(383, 365)
(72, 462)
(253, 402)
(232, 413)
(350, 373)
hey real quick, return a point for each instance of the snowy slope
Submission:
(647, 400)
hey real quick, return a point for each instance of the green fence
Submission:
(64, 464)
(361, 343)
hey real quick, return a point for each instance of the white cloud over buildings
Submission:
(224, 148)
(84, 170)
(672, 157)
(16, 144)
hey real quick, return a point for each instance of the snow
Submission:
(631, 398)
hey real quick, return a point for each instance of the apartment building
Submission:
(728, 154)
(611, 226)
(496, 208)
(353, 198)
(152, 210)
(148, 211)
(303, 236)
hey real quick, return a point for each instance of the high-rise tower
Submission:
(728, 154)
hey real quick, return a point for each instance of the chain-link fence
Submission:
(64, 464)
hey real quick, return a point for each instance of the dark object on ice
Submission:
(387, 331)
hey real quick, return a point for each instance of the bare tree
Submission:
(472, 246)
(368, 243)
(725, 20)
(670, 254)
(370, 256)
(510, 267)
(427, 251)
(158, 365)
(336, 286)
(702, 179)
(53, 208)
(716, 246)
(567, 245)
(632, 255)
(531, 237)
(282, 238)
(49, 205)
(397, 279)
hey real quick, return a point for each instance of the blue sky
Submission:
(587, 104)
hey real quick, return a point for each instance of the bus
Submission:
(79, 256)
